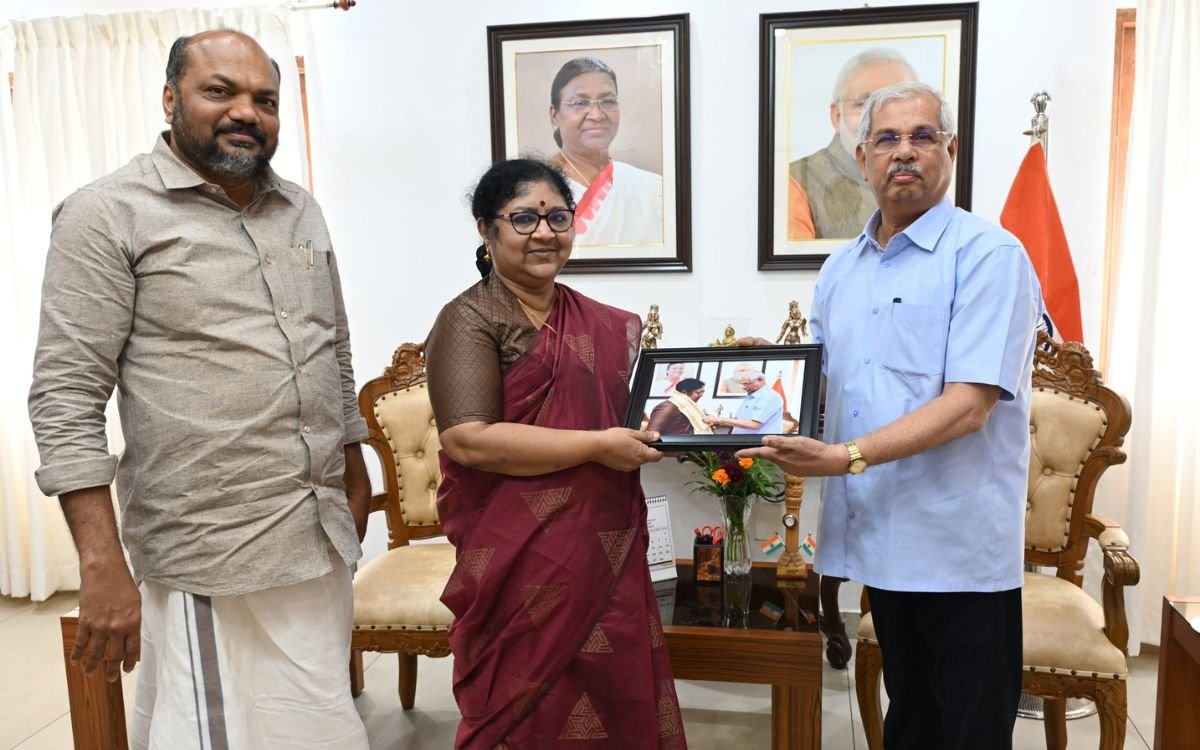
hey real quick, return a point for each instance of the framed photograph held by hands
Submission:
(725, 398)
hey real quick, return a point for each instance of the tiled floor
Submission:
(33, 699)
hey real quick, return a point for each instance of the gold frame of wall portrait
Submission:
(639, 219)
(801, 56)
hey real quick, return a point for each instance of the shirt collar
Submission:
(928, 229)
(177, 174)
(924, 232)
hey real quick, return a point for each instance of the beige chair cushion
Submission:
(1063, 430)
(406, 417)
(1063, 631)
(399, 590)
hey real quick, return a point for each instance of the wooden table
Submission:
(728, 632)
(97, 706)
(1176, 723)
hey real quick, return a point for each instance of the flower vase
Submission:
(735, 515)
(736, 610)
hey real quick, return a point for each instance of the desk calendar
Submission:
(660, 555)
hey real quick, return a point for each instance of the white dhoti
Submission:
(262, 670)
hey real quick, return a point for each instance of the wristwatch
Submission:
(858, 464)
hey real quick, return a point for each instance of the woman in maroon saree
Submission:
(556, 638)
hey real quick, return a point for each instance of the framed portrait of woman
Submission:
(816, 71)
(607, 103)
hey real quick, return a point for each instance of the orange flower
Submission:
(720, 476)
(745, 463)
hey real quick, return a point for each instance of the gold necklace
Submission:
(538, 320)
(586, 182)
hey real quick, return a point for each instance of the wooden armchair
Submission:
(396, 595)
(1074, 646)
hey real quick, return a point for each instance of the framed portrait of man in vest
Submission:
(817, 71)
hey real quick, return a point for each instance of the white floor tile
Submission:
(56, 736)
(33, 709)
(10, 607)
(31, 649)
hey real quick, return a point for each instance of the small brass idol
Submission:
(729, 340)
(795, 327)
(652, 329)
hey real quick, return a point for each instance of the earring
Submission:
(487, 253)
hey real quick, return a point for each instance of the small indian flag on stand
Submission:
(772, 545)
(809, 546)
(771, 611)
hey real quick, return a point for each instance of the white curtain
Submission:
(1154, 334)
(86, 98)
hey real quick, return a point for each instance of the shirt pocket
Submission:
(318, 285)
(914, 341)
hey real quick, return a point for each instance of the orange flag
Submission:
(1031, 213)
(778, 388)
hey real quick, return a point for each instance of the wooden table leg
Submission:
(97, 706)
(795, 718)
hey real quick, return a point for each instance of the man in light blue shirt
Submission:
(760, 413)
(928, 320)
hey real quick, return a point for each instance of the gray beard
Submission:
(208, 154)
(232, 166)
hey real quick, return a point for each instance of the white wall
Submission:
(400, 126)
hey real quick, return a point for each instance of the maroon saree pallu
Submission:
(556, 637)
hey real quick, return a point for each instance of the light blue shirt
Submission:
(765, 406)
(954, 299)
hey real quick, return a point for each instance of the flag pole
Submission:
(1039, 126)
(321, 4)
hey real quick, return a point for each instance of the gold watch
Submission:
(858, 464)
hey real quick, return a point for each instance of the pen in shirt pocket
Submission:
(307, 248)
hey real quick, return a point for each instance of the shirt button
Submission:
(874, 310)
(867, 361)
(1047, 471)
(420, 454)
(852, 514)
(268, 260)
(307, 428)
(854, 413)
(433, 485)
(887, 264)
(300, 369)
(283, 313)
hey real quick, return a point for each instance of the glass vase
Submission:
(735, 516)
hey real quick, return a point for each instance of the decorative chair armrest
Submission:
(1105, 530)
(1120, 570)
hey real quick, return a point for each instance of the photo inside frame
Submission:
(725, 398)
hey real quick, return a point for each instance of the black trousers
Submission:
(951, 667)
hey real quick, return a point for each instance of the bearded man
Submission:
(204, 287)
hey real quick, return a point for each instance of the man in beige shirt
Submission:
(204, 288)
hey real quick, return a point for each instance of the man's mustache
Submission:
(243, 129)
(904, 166)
